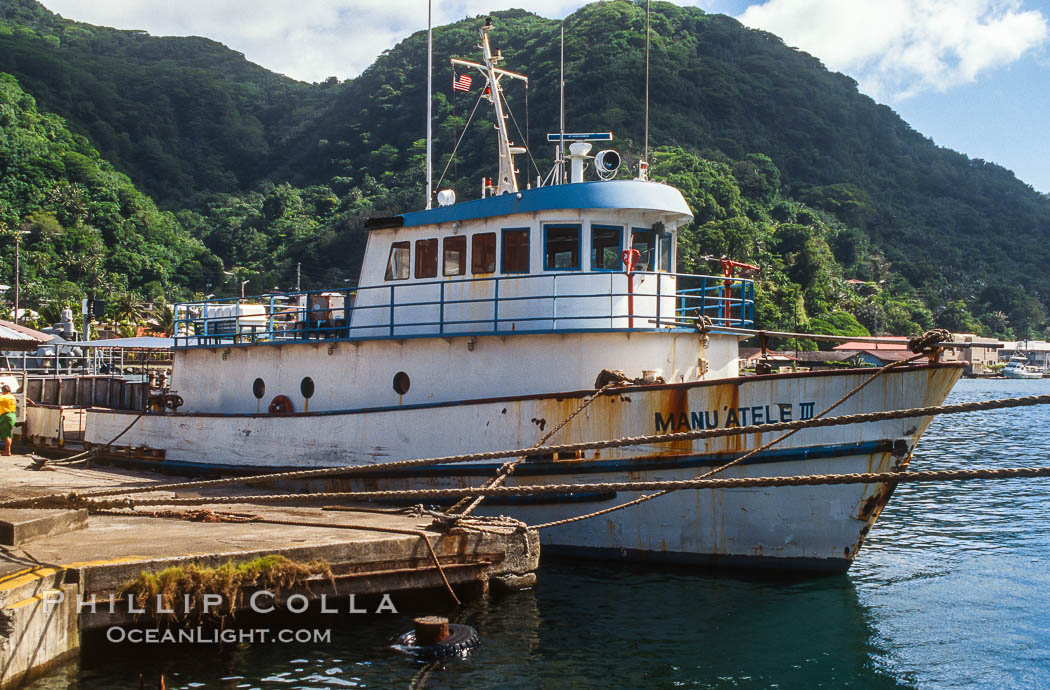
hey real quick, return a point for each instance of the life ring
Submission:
(281, 404)
(461, 638)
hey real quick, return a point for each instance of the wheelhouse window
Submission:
(666, 241)
(483, 253)
(606, 245)
(426, 258)
(455, 255)
(561, 247)
(643, 241)
(397, 266)
(515, 250)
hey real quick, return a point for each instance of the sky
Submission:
(973, 75)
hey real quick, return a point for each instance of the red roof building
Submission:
(898, 342)
(14, 336)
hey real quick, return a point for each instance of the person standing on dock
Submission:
(8, 417)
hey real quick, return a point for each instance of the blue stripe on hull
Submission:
(550, 467)
(651, 463)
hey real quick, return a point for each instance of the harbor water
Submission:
(951, 590)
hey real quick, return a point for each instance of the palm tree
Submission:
(127, 308)
(164, 318)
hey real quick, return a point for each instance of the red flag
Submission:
(461, 83)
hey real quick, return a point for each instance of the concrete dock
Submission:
(52, 561)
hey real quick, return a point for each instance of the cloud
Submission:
(899, 48)
(306, 39)
(894, 48)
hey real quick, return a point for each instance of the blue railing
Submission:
(476, 306)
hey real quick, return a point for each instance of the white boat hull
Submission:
(817, 528)
(1017, 374)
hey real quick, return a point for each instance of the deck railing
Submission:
(553, 302)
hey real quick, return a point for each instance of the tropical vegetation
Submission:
(145, 170)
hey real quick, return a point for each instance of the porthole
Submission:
(306, 387)
(259, 388)
(401, 383)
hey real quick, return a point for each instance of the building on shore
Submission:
(892, 349)
(1037, 352)
(983, 354)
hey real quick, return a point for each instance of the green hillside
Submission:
(784, 163)
(184, 117)
(88, 230)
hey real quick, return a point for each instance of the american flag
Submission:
(461, 83)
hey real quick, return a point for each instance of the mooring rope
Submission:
(939, 337)
(40, 463)
(75, 501)
(508, 467)
(742, 458)
(860, 418)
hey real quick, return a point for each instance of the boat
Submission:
(1017, 367)
(482, 325)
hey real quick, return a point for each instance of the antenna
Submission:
(645, 155)
(561, 82)
(507, 182)
(430, 104)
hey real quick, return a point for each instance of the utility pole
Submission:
(18, 243)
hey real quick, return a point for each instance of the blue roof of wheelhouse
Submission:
(615, 194)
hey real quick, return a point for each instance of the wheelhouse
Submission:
(542, 260)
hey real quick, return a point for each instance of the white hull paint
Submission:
(358, 374)
(808, 527)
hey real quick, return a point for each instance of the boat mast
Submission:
(561, 121)
(645, 155)
(508, 181)
(430, 99)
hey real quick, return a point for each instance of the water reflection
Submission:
(643, 627)
(956, 574)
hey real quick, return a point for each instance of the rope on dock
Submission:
(374, 528)
(202, 515)
(209, 516)
(41, 463)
